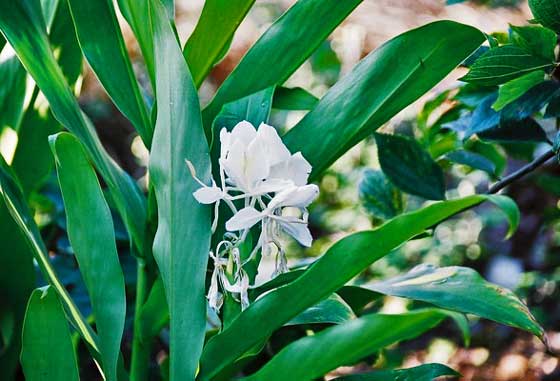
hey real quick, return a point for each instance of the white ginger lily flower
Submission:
(295, 198)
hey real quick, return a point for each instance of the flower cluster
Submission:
(262, 183)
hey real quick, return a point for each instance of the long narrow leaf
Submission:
(48, 353)
(92, 238)
(13, 197)
(344, 260)
(214, 31)
(22, 24)
(313, 356)
(183, 236)
(386, 81)
(286, 44)
(102, 43)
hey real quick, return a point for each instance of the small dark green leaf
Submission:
(426, 372)
(515, 88)
(484, 117)
(213, 32)
(379, 196)
(293, 99)
(48, 353)
(410, 167)
(504, 63)
(313, 356)
(546, 12)
(463, 290)
(515, 131)
(472, 160)
(531, 102)
(536, 39)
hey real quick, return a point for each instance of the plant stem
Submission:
(141, 348)
(521, 172)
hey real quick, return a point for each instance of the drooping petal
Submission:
(275, 149)
(299, 197)
(272, 186)
(208, 195)
(244, 219)
(296, 168)
(299, 231)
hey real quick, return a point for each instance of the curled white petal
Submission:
(299, 231)
(208, 195)
(299, 197)
(296, 169)
(268, 138)
(244, 219)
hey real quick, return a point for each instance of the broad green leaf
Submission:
(136, 13)
(22, 24)
(531, 102)
(33, 160)
(382, 84)
(536, 39)
(473, 160)
(546, 12)
(410, 167)
(280, 50)
(213, 32)
(425, 372)
(92, 237)
(504, 63)
(19, 211)
(313, 356)
(12, 91)
(104, 48)
(254, 108)
(48, 353)
(17, 281)
(343, 261)
(461, 289)
(182, 240)
(379, 196)
(514, 89)
(332, 310)
(294, 98)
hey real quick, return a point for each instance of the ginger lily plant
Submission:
(259, 182)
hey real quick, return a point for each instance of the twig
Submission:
(521, 172)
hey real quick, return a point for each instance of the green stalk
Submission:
(141, 346)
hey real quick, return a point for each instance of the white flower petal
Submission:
(243, 131)
(272, 186)
(225, 142)
(234, 164)
(256, 164)
(274, 146)
(299, 197)
(208, 195)
(244, 219)
(299, 231)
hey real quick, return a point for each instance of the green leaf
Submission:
(546, 12)
(92, 238)
(313, 356)
(154, 312)
(213, 33)
(12, 92)
(514, 89)
(48, 353)
(536, 39)
(136, 13)
(464, 290)
(333, 310)
(343, 261)
(254, 108)
(379, 196)
(531, 102)
(22, 24)
(17, 280)
(425, 372)
(504, 63)
(182, 240)
(294, 98)
(18, 209)
(104, 48)
(515, 131)
(473, 160)
(382, 84)
(325, 63)
(286, 44)
(410, 167)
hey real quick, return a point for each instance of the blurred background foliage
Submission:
(352, 187)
